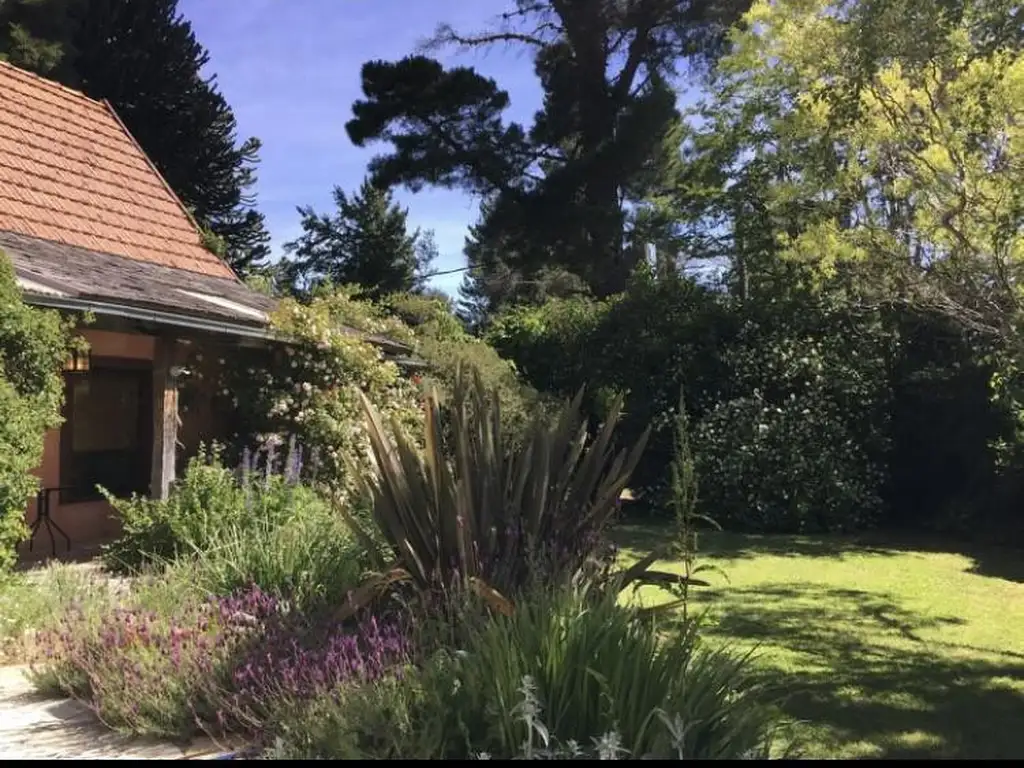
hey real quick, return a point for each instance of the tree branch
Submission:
(445, 35)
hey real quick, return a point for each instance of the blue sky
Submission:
(290, 70)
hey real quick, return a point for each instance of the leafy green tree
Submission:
(566, 189)
(875, 148)
(34, 344)
(366, 242)
(144, 58)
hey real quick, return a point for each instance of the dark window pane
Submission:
(106, 413)
(103, 440)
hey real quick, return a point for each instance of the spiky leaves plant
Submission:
(490, 515)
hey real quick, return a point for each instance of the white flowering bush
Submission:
(305, 389)
(327, 366)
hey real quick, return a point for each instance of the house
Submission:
(91, 226)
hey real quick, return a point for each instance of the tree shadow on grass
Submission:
(998, 562)
(854, 666)
(993, 561)
(989, 559)
(737, 546)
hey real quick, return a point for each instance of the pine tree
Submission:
(366, 242)
(144, 58)
(565, 188)
(492, 283)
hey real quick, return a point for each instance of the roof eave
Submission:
(224, 327)
(155, 316)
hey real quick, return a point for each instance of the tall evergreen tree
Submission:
(493, 282)
(566, 189)
(365, 242)
(144, 58)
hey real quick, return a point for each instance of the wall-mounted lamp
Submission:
(179, 372)
(78, 362)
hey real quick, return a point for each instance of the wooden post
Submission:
(165, 419)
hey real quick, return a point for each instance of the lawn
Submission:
(895, 649)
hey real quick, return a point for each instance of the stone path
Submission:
(33, 726)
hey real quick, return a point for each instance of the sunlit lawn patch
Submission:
(884, 649)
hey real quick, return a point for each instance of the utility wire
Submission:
(446, 272)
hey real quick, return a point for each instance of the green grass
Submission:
(35, 599)
(883, 648)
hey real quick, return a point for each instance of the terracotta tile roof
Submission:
(71, 173)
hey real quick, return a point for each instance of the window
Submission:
(105, 439)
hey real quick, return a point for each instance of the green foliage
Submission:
(366, 243)
(491, 285)
(307, 388)
(562, 191)
(144, 58)
(34, 345)
(311, 557)
(426, 315)
(495, 516)
(658, 336)
(566, 672)
(894, 161)
(684, 507)
(222, 530)
(598, 669)
(790, 467)
(551, 343)
(444, 345)
(205, 500)
(798, 438)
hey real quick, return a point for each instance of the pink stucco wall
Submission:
(93, 521)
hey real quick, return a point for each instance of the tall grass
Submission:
(311, 559)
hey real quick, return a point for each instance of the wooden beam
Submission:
(165, 418)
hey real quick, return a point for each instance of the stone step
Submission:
(33, 726)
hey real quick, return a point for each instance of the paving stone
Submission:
(33, 726)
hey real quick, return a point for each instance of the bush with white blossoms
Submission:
(327, 364)
(306, 388)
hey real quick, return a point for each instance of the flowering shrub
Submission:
(567, 666)
(221, 665)
(211, 503)
(284, 669)
(307, 387)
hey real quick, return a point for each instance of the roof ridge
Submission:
(47, 82)
(174, 195)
